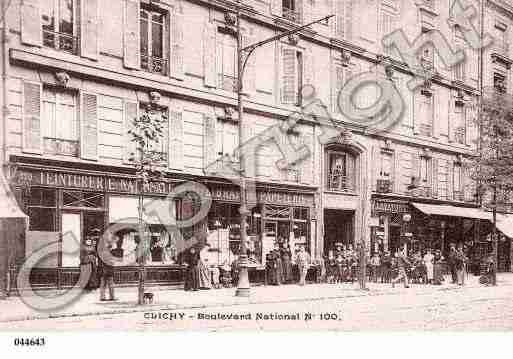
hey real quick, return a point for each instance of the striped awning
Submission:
(453, 211)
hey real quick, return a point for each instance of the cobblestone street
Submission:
(449, 307)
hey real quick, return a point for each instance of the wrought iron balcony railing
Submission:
(340, 183)
(228, 83)
(291, 15)
(61, 41)
(425, 129)
(154, 64)
(384, 186)
(459, 135)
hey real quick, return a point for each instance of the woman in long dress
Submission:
(286, 259)
(205, 281)
(438, 276)
(428, 262)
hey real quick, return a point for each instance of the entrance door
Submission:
(71, 239)
(338, 227)
(395, 238)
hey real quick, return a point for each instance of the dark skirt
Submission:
(287, 269)
(93, 281)
(192, 278)
(438, 276)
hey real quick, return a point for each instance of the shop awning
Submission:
(452, 211)
(8, 206)
(505, 224)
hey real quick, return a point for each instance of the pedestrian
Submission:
(331, 267)
(279, 263)
(303, 261)
(438, 277)
(386, 267)
(88, 262)
(106, 271)
(402, 264)
(428, 263)
(205, 278)
(460, 263)
(375, 263)
(286, 260)
(270, 268)
(192, 273)
(451, 261)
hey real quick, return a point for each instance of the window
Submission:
(459, 125)
(159, 147)
(59, 24)
(501, 38)
(152, 25)
(499, 83)
(341, 171)
(227, 62)
(60, 122)
(457, 188)
(459, 71)
(386, 166)
(443, 176)
(289, 11)
(424, 171)
(227, 137)
(292, 76)
(387, 26)
(426, 111)
(42, 209)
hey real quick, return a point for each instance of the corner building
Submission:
(78, 72)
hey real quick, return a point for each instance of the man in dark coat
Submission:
(451, 261)
(106, 272)
(191, 260)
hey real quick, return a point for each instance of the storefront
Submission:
(73, 208)
(388, 224)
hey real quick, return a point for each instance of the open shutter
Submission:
(289, 75)
(417, 114)
(31, 27)
(89, 121)
(130, 114)
(176, 139)
(32, 132)
(436, 114)
(340, 19)
(176, 47)
(374, 167)
(309, 67)
(131, 32)
(276, 7)
(306, 172)
(250, 73)
(307, 11)
(89, 44)
(434, 180)
(450, 180)
(469, 124)
(348, 21)
(210, 137)
(452, 118)
(209, 54)
(415, 172)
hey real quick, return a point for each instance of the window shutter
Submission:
(250, 73)
(176, 47)
(32, 132)
(436, 115)
(452, 118)
(348, 21)
(307, 11)
(209, 54)
(415, 172)
(131, 51)
(450, 180)
(276, 7)
(374, 167)
(31, 28)
(340, 19)
(176, 140)
(89, 138)
(351, 171)
(289, 76)
(89, 44)
(434, 181)
(306, 172)
(469, 124)
(309, 67)
(131, 113)
(417, 113)
(210, 141)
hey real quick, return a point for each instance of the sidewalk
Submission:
(88, 304)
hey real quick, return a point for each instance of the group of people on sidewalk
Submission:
(280, 262)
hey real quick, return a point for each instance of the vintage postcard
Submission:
(262, 165)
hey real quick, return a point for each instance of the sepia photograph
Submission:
(255, 166)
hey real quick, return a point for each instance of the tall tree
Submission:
(492, 167)
(146, 134)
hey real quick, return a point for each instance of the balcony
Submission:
(384, 186)
(422, 191)
(458, 196)
(61, 41)
(339, 183)
(425, 129)
(459, 135)
(291, 15)
(154, 64)
(228, 83)
(61, 147)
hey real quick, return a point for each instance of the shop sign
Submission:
(389, 207)
(86, 181)
(265, 196)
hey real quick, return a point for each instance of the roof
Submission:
(453, 211)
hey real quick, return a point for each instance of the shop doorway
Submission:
(394, 232)
(338, 227)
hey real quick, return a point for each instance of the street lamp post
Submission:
(243, 54)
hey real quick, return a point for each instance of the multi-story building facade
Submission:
(78, 72)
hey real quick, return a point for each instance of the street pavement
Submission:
(315, 306)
